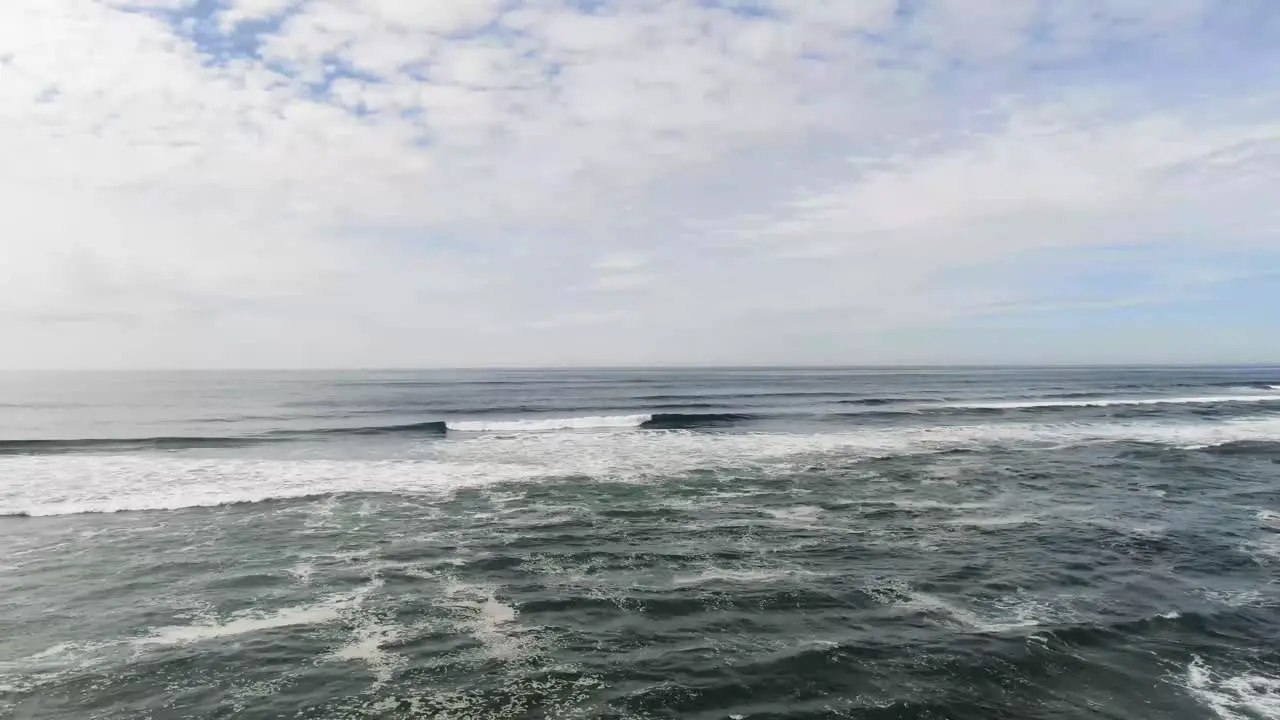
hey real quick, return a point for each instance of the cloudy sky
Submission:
(415, 183)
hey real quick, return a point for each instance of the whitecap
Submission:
(547, 424)
(995, 521)
(739, 575)
(490, 621)
(799, 513)
(1269, 519)
(57, 485)
(1247, 696)
(302, 573)
(250, 623)
(327, 611)
(367, 646)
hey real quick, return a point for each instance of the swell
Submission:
(763, 395)
(1246, 448)
(39, 446)
(880, 401)
(654, 421)
(429, 428)
(1114, 407)
(30, 447)
(688, 421)
(1096, 401)
(1251, 384)
(1223, 622)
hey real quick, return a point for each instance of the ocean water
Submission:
(891, 543)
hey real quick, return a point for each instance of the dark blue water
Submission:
(1035, 543)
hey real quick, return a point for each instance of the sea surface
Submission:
(808, 543)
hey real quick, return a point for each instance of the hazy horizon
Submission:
(871, 367)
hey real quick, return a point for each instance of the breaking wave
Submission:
(653, 421)
(650, 421)
(56, 485)
(547, 424)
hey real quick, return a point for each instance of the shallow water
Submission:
(642, 544)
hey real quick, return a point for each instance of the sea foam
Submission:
(67, 484)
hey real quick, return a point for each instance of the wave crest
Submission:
(655, 421)
(547, 424)
(649, 421)
(686, 421)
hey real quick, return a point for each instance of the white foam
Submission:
(367, 647)
(1248, 696)
(490, 621)
(1236, 598)
(302, 573)
(749, 576)
(798, 513)
(1013, 616)
(288, 617)
(1266, 550)
(495, 613)
(66, 484)
(63, 485)
(53, 664)
(327, 611)
(995, 521)
(593, 422)
(1012, 613)
(1110, 401)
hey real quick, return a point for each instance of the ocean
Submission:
(751, 543)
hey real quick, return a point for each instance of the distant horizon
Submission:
(672, 367)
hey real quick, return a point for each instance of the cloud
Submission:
(387, 182)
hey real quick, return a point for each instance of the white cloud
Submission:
(395, 182)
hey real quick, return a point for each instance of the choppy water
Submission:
(642, 544)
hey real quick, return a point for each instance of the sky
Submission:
(455, 183)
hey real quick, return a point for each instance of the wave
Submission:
(1109, 402)
(686, 421)
(86, 483)
(1249, 694)
(1244, 448)
(433, 427)
(764, 395)
(27, 447)
(650, 421)
(1248, 384)
(43, 447)
(878, 401)
(547, 424)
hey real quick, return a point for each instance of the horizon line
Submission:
(666, 366)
